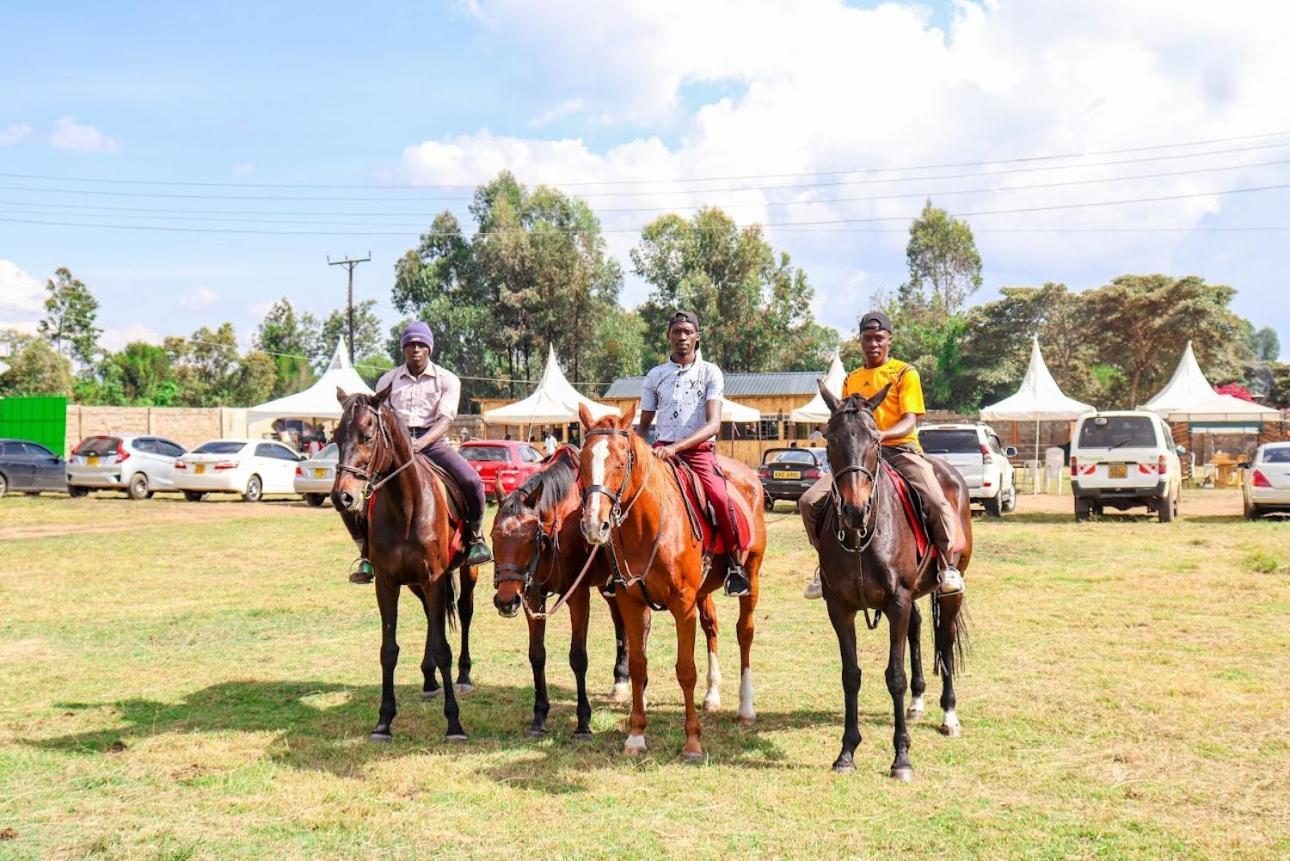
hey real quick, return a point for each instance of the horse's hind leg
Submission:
(844, 626)
(429, 685)
(440, 594)
(898, 623)
(946, 638)
(708, 621)
(622, 691)
(387, 599)
(917, 684)
(579, 616)
(465, 612)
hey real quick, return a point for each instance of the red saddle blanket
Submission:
(912, 514)
(700, 514)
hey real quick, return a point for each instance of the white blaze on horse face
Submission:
(713, 698)
(599, 454)
(746, 710)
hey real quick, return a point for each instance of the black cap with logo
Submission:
(683, 317)
(876, 320)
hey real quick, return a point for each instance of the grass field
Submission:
(198, 681)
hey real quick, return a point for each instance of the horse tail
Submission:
(961, 641)
(448, 598)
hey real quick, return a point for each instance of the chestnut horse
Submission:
(538, 551)
(868, 560)
(633, 508)
(410, 543)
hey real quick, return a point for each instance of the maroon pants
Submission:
(703, 460)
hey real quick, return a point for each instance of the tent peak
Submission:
(339, 356)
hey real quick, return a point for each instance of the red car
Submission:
(511, 460)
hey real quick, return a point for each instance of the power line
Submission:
(582, 183)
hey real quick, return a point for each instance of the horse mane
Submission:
(552, 484)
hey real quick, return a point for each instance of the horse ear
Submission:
(872, 403)
(383, 395)
(340, 395)
(628, 417)
(584, 417)
(829, 398)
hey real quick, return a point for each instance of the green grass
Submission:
(201, 686)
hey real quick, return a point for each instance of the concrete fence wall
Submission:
(187, 426)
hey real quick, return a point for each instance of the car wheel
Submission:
(77, 492)
(1251, 510)
(1164, 509)
(254, 489)
(993, 508)
(138, 486)
(4, 484)
(1011, 505)
(315, 499)
(1083, 509)
(194, 495)
(769, 502)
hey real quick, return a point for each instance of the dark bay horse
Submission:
(538, 551)
(410, 543)
(868, 561)
(633, 508)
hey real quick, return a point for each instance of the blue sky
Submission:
(640, 96)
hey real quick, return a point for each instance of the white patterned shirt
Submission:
(424, 399)
(679, 396)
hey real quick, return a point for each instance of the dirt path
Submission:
(48, 516)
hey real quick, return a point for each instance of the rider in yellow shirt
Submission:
(897, 421)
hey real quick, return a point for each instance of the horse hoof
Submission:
(914, 714)
(427, 696)
(455, 737)
(951, 730)
(463, 688)
(844, 767)
(712, 704)
(536, 733)
(692, 757)
(584, 735)
(380, 738)
(746, 720)
(904, 774)
(634, 745)
(622, 693)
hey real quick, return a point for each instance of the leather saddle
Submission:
(702, 516)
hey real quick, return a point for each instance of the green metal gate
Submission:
(42, 420)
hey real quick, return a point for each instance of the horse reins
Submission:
(369, 475)
(868, 521)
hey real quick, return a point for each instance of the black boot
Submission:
(478, 554)
(737, 585)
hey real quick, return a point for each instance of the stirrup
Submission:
(361, 573)
(478, 554)
(956, 589)
(740, 587)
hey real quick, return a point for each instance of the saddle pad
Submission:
(696, 501)
(913, 510)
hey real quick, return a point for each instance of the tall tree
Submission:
(35, 369)
(210, 372)
(291, 341)
(143, 372)
(944, 265)
(367, 332)
(70, 314)
(1265, 344)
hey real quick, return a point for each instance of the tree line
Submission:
(533, 272)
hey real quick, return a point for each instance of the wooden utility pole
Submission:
(349, 263)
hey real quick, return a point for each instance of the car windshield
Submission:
(328, 452)
(1117, 432)
(484, 452)
(220, 446)
(949, 441)
(791, 455)
(98, 445)
(1277, 455)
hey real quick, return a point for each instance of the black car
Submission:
(30, 467)
(787, 473)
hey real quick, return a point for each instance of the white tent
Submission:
(1038, 399)
(319, 400)
(1188, 396)
(554, 401)
(817, 411)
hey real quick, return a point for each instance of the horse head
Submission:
(363, 437)
(607, 460)
(853, 444)
(518, 542)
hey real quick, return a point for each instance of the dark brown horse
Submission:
(410, 543)
(868, 559)
(538, 551)
(633, 508)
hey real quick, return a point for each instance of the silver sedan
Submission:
(314, 477)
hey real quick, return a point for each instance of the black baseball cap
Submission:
(683, 317)
(876, 320)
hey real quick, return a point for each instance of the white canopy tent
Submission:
(554, 401)
(1189, 397)
(1038, 399)
(319, 400)
(817, 411)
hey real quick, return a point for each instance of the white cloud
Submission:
(566, 108)
(115, 339)
(15, 133)
(69, 134)
(259, 309)
(20, 293)
(199, 297)
(782, 87)
(244, 168)
(26, 327)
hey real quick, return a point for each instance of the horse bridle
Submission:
(509, 572)
(617, 513)
(869, 514)
(374, 481)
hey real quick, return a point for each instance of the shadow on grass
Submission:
(323, 727)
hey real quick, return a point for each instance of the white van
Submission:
(1125, 459)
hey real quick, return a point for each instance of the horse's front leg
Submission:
(917, 684)
(744, 628)
(579, 617)
(429, 683)
(465, 612)
(387, 600)
(635, 624)
(898, 613)
(622, 691)
(708, 621)
(947, 633)
(687, 675)
(537, 662)
(844, 626)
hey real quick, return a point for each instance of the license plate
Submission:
(784, 473)
(1117, 470)
(93, 460)
(199, 468)
(319, 473)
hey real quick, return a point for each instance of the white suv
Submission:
(1125, 459)
(975, 451)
